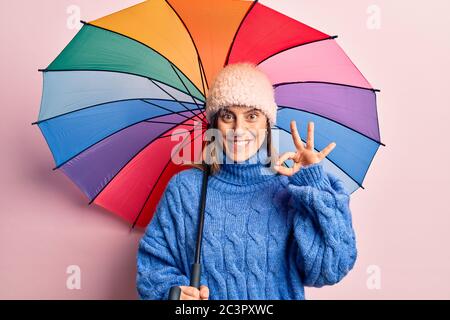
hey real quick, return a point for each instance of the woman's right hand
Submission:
(192, 293)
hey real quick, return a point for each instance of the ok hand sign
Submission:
(304, 155)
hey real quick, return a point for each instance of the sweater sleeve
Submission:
(159, 258)
(326, 247)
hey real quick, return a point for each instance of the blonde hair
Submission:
(214, 162)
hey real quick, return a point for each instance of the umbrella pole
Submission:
(196, 266)
(175, 291)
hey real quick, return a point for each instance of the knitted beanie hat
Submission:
(242, 84)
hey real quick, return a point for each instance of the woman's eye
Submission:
(253, 116)
(227, 116)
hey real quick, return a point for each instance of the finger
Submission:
(327, 150)
(184, 296)
(204, 292)
(285, 156)
(191, 291)
(284, 170)
(296, 136)
(310, 137)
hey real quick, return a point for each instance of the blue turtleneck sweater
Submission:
(265, 236)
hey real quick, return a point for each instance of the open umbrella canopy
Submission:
(128, 93)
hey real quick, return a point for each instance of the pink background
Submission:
(401, 219)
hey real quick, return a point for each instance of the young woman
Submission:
(269, 230)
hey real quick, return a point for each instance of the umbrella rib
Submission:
(103, 103)
(325, 82)
(123, 35)
(193, 43)
(322, 116)
(202, 75)
(295, 46)
(192, 97)
(153, 104)
(359, 184)
(378, 123)
(129, 160)
(166, 122)
(196, 115)
(237, 31)
(106, 137)
(153, 188)
(174, 134)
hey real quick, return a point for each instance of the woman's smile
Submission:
(241, 142)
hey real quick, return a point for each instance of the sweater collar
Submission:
(253, 171)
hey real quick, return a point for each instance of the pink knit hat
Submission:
(243, 84)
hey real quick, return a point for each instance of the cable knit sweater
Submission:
(265, 236)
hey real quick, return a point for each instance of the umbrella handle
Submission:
(195, 275)
(174, 293)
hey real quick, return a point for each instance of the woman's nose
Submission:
(239, 126)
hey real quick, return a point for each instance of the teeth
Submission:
(242, 143)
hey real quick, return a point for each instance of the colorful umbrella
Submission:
(128, 83)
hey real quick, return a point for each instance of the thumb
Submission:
(204, 292)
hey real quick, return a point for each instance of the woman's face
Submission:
(243, 131)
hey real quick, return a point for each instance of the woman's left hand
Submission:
(304, 155)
